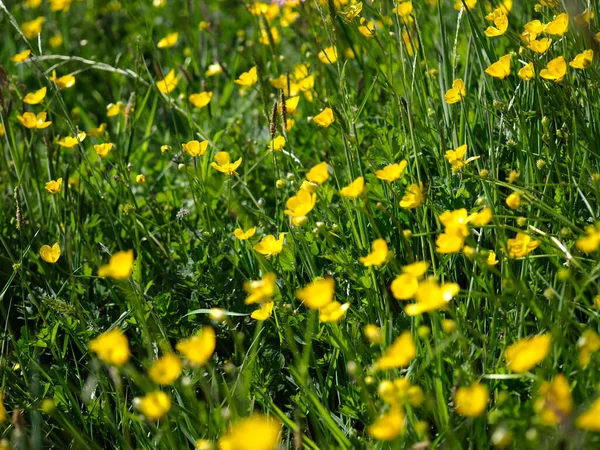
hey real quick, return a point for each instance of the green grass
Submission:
(316, 378)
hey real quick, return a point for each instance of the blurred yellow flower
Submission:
(56, 40)
(33, 28)
(71, 141)
(318, 174)
(31, 121)
(300, 204)
(260, 291)
(119, 267)
(199, 349)
(264, 312)
(513, 201)
(373, 334)
(50, 254)
(140, 179)
(500, 69)
(257, 432)
(351, 11)
(555, 70)
(64, 82)
(248, 78)
(527, 73)
(583, 60)
(165, 370)
(195, 148)
(213, 69)
(114, 109)
(168, 83)
(392, 172)
(223, 163)
(521, 245)
(317, 294)
(270, 246)
(34, 98)
(277, 143)
(201, 99)
(60, 5)
(458, 4)
(414, 196)
(491, 258)
(590, 419)
(404, 9)
(328, 55)
(97, 132)
(378, 255)
(54, 186)
(584, 17)
(354, 189)
(388, 426)
(527, 353)
(481, 218)
(324, 118)
(168, 41)
(22, 56)
(499, 28)
(243, 235)
(540, 46)
(431, 296)
(102, 150)
(155, 405)
(333, 312)
(588, 343)
(405, 285)
(456, 93)
(399, 354)
(471, 401)
(554, 402)
(111, 347)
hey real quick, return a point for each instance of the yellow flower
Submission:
(590, 241)
(195, 148)
(50, 254)
(199, 349)
(471, 401)
(168, 83)
(588, 343)
(168, 41)
(264, 36)
(119, 267)
(399, 354)
(328, 55)
(411, 45)
(559, 26)
(264, 312)
(333, 312)
(2, 132)
(291, 104)
(317, 294)
(324, 118)
(392, 172)
(248, 78)
(456, 157)
(414, 196)
(111, 347)
(540, 46)
(354, 189)
(155, 405)
(583, 18)
(500, 69)
(64, 82)
(491, 258)
(590, 419)
(260, 291)
(449, 326)
(213, 69)
(366, 28)
(54, 186)
(33, 28)
(583, 60)
(388, 426)
(223, 163)
(34, 98)
(431, 296)
(270, 246)
(373, 334)
(102, 150)
(30, 120)
(351, 11)
(140, 179)
(257, 432)
(481, 218)
(513, 201)
(404, 9)
(20, 57)
(72, 141)
(527, 353)
(378, 255)
(56, 40)
(3, 416)
(554, 403)
(499, 28)
(277, 143)
(243, 235)
(456, 93)
(458, 5)
(318, 174)
(201, 99)
(114, 109)
(527, 73)
(555, 70)
(165, 370)
(31, 4)
(405, 285)
(300, 204)
(60, 5)
(521, 245)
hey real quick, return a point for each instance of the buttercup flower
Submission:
(513, 201)
(31, 121)
(324, 118)
(21, 57)
(257, 432)
(521, 245)
(392, 172)
(399, 354)
(54, 186)
(264, 312)
(260, 291)
(201, 99)
(499, 28)
(554, 403)
(119, 266)
(114, 109)
(456, 93)
(328, 55)
(199, 349)
(318, 174)
(168, 83)
(155, 405)
(168, 41)
(354, 189)
(405, 285)
(317, 294)
(111, 347)
(248, 78)
(195, 148)
(102, 150)
(277, 143)
(33, 28)
(34, 98)
(527, 353)
(50, 254)
(540, 46)
(64, 82)
(223, 163)
(500, 69)
(583, 60)
(590, 419)
(72, 141)
(333, 312)
(471, 401)
(165, 370)
(414, 196)
(388, 426)
(243, 235)
(527, 73)
(300, 204)
(588, 343)
(431, 296)
(269, 246)
(559, 26)
(555, 70)
(378, 255)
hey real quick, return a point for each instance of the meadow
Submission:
(320, 224)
